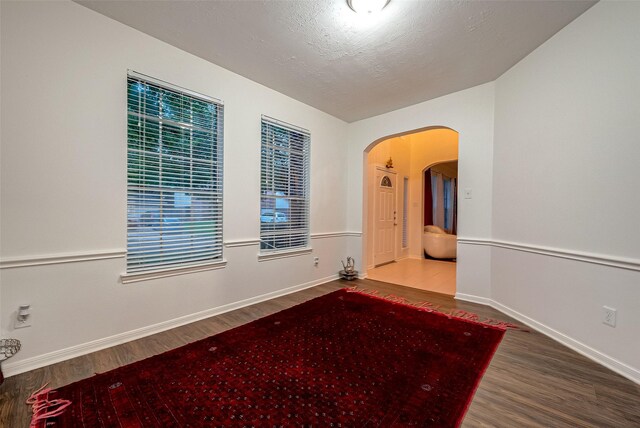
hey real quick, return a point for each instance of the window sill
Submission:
(163, 273)
(263, 257)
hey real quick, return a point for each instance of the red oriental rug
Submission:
(345, 359)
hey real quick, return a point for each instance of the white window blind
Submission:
(284, 186)
(174, 166)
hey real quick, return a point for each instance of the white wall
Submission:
(1, 117)
(470, 113)
(63, 178)
(566, 178)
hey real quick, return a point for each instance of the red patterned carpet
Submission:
(343, 360)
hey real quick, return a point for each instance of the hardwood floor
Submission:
(430, 275)
(532, 381)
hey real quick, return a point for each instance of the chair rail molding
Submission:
(52, 259)
(242, 243)
(334, 234)
(562, 253)
(256, 241)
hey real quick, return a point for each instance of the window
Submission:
(386, 182)
(174, 167)
(284, 187)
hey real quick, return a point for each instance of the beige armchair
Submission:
(439, 244)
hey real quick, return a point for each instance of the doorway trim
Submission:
(364, 253)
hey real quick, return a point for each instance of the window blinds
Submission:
(284, 186)
(174, 166)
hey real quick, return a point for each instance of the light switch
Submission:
(468, 194)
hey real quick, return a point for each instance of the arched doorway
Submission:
(394, 206)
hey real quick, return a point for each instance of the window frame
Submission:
(216, 193)
(277, 253)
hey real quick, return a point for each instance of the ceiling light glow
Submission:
(368, 7)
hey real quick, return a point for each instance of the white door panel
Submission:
(385, 208)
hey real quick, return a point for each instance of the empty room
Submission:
(336, 213)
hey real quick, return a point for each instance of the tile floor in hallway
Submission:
(431, 275)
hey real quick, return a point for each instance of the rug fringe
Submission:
(43, 408)
(430, 307)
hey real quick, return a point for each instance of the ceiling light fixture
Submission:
(367, 6)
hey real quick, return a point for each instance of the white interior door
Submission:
(385, 217)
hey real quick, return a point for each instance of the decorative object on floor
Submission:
(439, 244)
(348, 276)
(350, 267)
(349, 271)
(8, 348)
(343, 359)
(389, 164)
(45, 409)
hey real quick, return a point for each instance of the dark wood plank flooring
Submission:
(532, 381)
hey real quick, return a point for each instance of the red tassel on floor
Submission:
(43, 408)
(430, 307)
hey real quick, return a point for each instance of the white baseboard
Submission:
(474, 299)
(10, 368)
(611, 363)
(617, 366)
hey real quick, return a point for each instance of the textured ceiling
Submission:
(321, 53)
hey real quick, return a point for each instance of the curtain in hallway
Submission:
(454, 227)
(443, 192)
(428, 199)
(437, 190)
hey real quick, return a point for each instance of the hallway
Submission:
(430, 275)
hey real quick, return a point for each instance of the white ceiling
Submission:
(321, 53)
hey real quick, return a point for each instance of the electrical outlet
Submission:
(609, 316)
(22, 324)
(468, 194)
(23, 316)
(316, 260)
